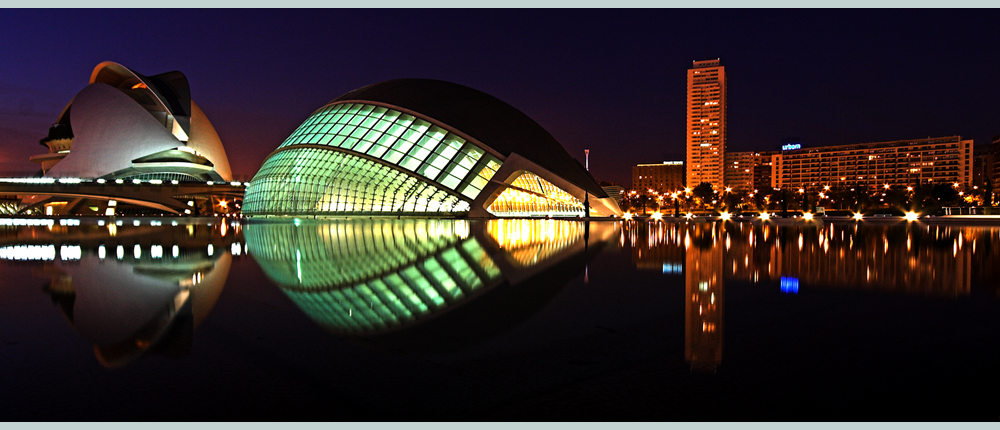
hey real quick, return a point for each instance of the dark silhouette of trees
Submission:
(703, 192)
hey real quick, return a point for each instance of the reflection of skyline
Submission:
(451, 275)
(906, 258)
(129, 289)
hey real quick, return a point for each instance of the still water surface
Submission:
(181, 319)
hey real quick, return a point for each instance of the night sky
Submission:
(612, 81)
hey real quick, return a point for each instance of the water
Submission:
(180, 319)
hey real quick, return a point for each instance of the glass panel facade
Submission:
(318, 181)
(530, 195)
(310, 181)
(412, 143)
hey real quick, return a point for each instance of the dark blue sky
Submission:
(609, 80)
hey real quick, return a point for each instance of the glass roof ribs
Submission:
(414, 144)
(316, 179)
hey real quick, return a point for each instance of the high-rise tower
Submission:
(706, 123)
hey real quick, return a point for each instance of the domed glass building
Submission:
(427, 147)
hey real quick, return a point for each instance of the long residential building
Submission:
(899, 162)
(664, 177)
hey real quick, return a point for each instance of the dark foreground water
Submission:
(173, 319)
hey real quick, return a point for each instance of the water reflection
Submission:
(906, 258)
(703, 287)
(423, 283)
(129, 286)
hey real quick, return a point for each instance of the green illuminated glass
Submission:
(434, 156)
(312, 181)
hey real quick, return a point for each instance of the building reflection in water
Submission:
(417, 283)
(906, 258)
(129, 287)
(703, 287)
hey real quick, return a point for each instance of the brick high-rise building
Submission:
(706, 123)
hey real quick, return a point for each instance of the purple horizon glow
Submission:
(611, 81)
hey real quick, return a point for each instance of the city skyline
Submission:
(607, 81)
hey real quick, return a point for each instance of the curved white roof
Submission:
(122, 116)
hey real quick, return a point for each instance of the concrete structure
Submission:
(121, 130)
(122, 198)
(124, 125)
(428, 147)
(984, 165)
(750, 170)
(763, 169)
(667, 176)
(901, 162)
(706, 123)
(739, 170)
(614, 191)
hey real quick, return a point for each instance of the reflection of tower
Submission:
(704, 298)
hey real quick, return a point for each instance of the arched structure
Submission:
(125, 125)
(421, 146)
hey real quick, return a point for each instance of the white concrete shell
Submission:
(110, 130)
(205, 141)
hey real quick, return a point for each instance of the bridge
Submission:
(70, 196)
